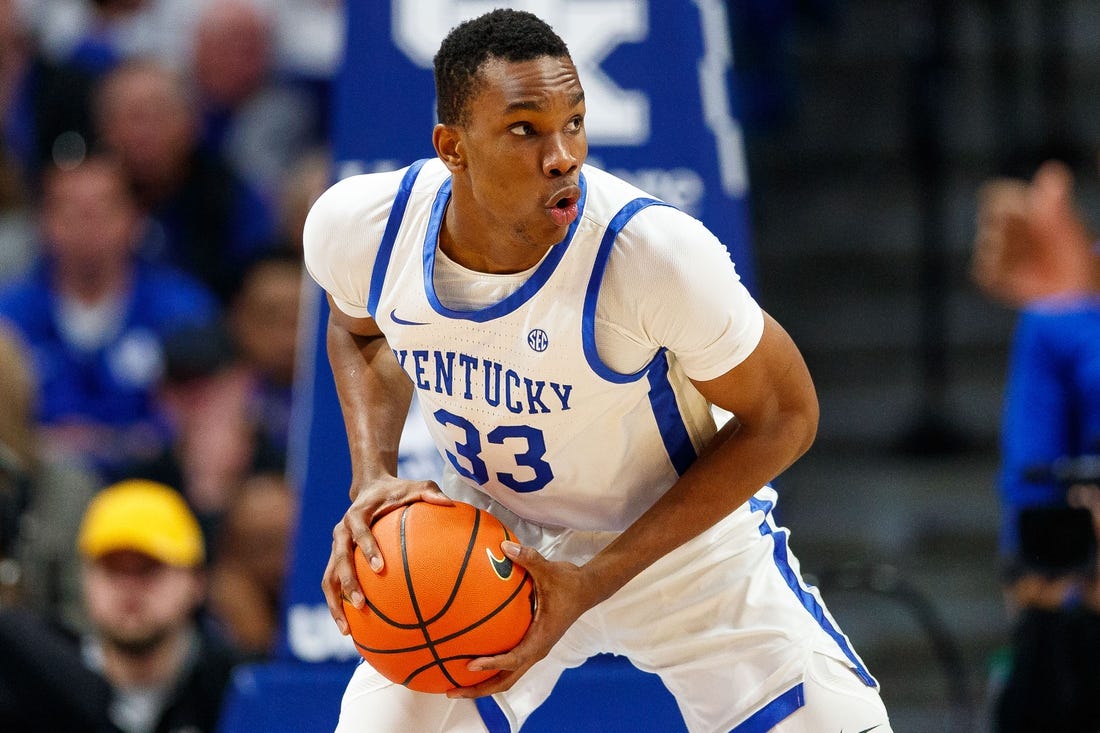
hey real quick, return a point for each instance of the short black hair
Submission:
(509, 35)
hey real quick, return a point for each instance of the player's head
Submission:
(512, 134)
(507, 35)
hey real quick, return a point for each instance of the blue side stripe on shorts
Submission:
(794, 582)
(491, 714)
(771, 714)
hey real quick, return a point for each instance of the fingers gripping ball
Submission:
(446, 595)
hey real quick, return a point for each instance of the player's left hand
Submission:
(563, 592)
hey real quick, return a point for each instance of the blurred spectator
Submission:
(148, 664)
(98, 34)
(264, 325)
(17, 245)
(228, 393)
(104, 41)
(307, 179)
(205, 218)
(1051, 416)
(16, 230)
(17, 458)
(308, 33)
(1055, 675)
(95, 320)
(1034, 252)
(258, 122)
(249, 569)
(40, 500)
(44, 104)
(209, 454)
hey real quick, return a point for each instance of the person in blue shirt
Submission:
(95, 318)
(1052, 406)
(1033, 252)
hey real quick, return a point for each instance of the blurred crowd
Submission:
(157, 161)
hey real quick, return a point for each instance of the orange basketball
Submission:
(446, 595)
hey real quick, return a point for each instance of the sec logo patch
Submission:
(538, 340)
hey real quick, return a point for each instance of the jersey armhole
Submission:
(393, 225)
(588, 322)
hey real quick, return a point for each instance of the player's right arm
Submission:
(374, 395)
(340, 241)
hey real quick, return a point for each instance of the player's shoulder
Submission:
(366, 198)
(608, 195)
(645, 224)
(606, 191)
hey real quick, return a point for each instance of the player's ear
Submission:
(448, 146)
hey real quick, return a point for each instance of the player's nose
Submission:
(562, 156)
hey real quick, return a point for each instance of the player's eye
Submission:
(575, 124)
(522, 129)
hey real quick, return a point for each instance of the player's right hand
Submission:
(371, 501)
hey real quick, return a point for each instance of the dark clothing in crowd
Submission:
(212, 227)
(46, 685)
(1055, 676)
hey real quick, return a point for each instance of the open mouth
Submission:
(562, 207)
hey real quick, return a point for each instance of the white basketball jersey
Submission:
(514, 394)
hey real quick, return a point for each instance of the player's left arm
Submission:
(775, 421)
(772, 396)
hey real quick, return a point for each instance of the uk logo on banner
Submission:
(656, 78)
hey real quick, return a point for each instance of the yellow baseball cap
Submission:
(143, 516)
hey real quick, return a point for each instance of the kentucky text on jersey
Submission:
(482, 378)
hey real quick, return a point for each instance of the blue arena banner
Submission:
(656, 75)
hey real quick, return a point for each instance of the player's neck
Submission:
(479, 247)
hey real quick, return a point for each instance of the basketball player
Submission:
(566, 336)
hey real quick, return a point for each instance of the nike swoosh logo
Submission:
(402, 321)
(868, 730)
(501, 566)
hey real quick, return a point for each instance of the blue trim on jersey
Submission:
(774, 712)
(492, 716)
(393, 224)
(662, 398)
(588, 320)
(794, 582)
(522, 294)
(670, 423)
